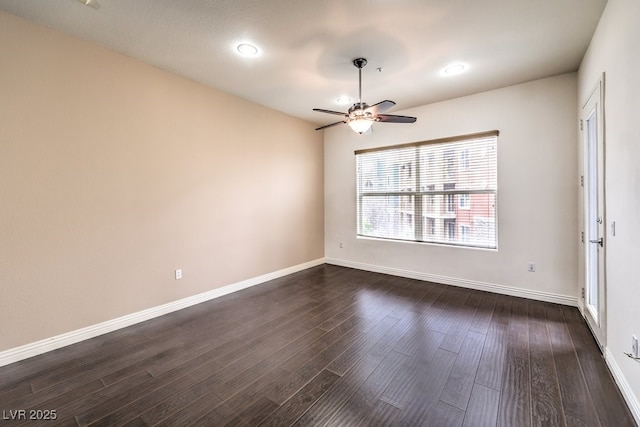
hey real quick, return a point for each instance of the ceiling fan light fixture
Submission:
(360, 125)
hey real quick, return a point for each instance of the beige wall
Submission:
(537, 184)
(614, 50)
(114, 173)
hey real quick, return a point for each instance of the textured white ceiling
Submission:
(307, 46)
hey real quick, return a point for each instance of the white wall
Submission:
(615, 50)
(537, 184)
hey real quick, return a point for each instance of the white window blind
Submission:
(441, 191)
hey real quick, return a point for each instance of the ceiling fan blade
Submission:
(332, 124)
(337, 113)
(380, 107)
(390, 118)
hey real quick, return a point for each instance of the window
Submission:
(442, 191)
(465, 232)
(432, 225)
(464, 201)
(431, 198)
(449, 159)
(451, 204)
(450, 228)
(451, 198)
(464, 159)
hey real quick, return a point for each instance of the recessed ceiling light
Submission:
(453, 69)
(246, 49)
(344, 100)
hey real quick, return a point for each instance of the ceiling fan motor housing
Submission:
(359, 62)
(358, 107)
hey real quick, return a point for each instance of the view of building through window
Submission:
(440, 192)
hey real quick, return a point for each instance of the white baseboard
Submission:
(39, 347)
(464, 283)
(623, 385)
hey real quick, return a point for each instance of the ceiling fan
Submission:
(361, 116)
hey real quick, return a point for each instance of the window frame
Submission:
(422, 197)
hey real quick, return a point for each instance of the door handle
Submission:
(600, 241)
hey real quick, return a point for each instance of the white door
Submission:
(594, 213)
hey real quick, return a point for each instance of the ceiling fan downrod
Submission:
(360, 63)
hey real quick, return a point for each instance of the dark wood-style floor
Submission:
(331, 346)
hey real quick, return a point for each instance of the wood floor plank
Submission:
(420, 342)
(136, 422)
(56, 397)
(491, 365)
(190, 414)
(113, 403)
(257, 389)
(399, 389)
(332, 346)
(407, 296)
(209, 352)
(576, 400)
(169, 397)
(435, 315)
(104, 364)
(446, 321)
(482, 410)
(218, 416)
(298, 404)
(515, 395)
(254, 414)
(382, 414)
(429, 297)
(461, 321)
(68, 410)
(444, 415)
(361, 347)
(290, 385)
(361, 403)
(518, 330)
(20, 390)
(546, 407)
(17, 374)
(457, 389)
(332, 401)
(484, 313)
(248, 376)
(425, 391)
(350, 327)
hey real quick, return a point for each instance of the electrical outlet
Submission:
(531, 267)
(341, 245)
(634, 346)
(178, 274)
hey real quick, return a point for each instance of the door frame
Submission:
(593, 104)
